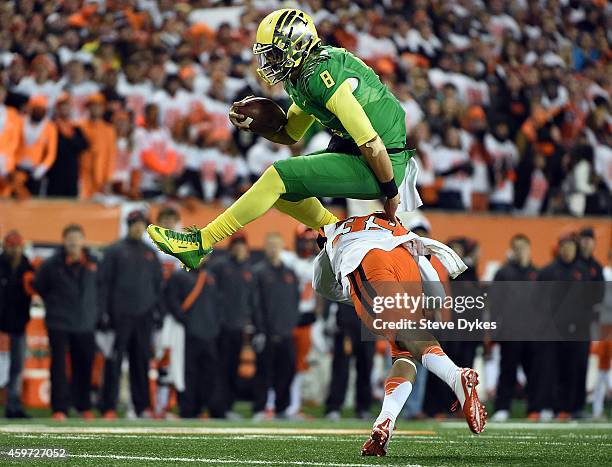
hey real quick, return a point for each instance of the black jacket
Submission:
(565, 299)
(235, 284)
(276, 299)
(14, 300)
(69, 291)
(201, 318)
(63, 176)
(512, 299)
(593, 273)
(131, 279)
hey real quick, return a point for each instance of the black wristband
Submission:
(389, 189)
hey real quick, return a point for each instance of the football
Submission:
(268, 116)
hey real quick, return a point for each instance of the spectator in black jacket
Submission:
(234, 280)
(275, 315)
(68, 285)
(511, 297)
(193, 299)
(63, 176)
(132, 278)
(15, 298)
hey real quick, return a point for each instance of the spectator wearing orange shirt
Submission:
(11, 130)
(98, 162)
(39, 149)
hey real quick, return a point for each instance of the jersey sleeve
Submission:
(298, 122)
(349, 111)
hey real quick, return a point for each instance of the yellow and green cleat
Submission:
(185, 246)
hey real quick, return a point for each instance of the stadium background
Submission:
(562, 50)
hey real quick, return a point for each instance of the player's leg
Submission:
(298, 181)
(462, 381)
(398, 387)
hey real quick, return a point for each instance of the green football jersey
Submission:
(324, 71)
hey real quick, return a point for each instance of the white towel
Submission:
(449, 259)
(409, 196)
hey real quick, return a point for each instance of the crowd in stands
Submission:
(508, 103)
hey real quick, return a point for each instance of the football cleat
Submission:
(185, 246)
(467, 397)
(376, 444)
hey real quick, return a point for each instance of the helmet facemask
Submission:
(290, 45)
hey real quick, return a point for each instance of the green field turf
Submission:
(316, 443)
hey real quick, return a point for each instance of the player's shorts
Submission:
(382, 274)
(335, 175)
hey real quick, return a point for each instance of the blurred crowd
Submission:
(508, 103)
(247, 326)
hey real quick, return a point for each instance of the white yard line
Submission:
(534, 425)
(197, 430)
(218, 461)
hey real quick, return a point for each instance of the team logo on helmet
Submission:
(284, 39)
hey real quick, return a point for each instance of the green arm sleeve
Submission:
(345, 106)
(298, 122)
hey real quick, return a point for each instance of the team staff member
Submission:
(15, 298)
(275, 316)
(234, 280)
(132, 279)
(68, 285)
(593, 273)
(518, 268)
(349, 342)
(558, 364)
(193, 299)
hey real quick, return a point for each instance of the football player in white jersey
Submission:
(369, 259)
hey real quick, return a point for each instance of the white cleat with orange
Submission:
(465, 390)
(376, 444)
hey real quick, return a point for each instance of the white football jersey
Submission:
(350, 240)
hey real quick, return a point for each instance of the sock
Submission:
(295, 395)
(308, 211)
(599, 394)
(163, 395)
(436, 361)
(397, 390)
(251, 205)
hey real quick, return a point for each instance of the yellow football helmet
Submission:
(284, 39)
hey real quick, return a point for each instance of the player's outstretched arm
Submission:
(345, 106)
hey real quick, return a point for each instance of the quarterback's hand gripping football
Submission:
(239, 120)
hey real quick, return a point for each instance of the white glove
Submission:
(416, 247)
(39, 172)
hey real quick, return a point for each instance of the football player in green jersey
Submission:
(366, 157)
